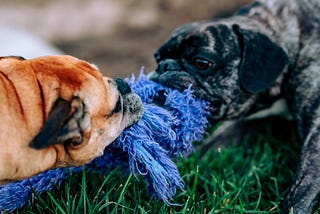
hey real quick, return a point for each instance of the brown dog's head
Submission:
(59, 111)
(89, 112)
(225, 64)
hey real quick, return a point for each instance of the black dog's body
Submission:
(267, 51)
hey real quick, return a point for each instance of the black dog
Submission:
(267, 51)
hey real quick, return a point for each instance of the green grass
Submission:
(250, 178)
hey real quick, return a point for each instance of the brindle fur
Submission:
(267, 51)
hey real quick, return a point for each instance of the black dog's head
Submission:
(226, 65)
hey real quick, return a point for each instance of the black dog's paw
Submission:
(227, 134)
(231, 133)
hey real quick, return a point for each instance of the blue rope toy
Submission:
(171, 122)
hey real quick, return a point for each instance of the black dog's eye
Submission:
(202, 64)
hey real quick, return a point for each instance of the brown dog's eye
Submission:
(202, 64)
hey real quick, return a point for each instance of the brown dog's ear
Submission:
(262, 60)
(49, 134)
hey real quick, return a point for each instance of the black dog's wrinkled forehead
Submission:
(217, 37)
(174, 46)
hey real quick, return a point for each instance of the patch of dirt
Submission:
(119, 36)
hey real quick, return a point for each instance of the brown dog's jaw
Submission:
(133, 108)
(131, 103)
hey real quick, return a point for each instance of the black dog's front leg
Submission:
(306, 188)
(302, 87)
(232, 132)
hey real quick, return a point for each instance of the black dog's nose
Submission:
(168, 65)
(123, 87)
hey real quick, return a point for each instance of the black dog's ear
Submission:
(55, 122)
(262, 60)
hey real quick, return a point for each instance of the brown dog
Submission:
(58, 111)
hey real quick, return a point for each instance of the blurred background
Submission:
(119, 36)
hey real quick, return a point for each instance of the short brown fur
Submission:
(29, 89)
